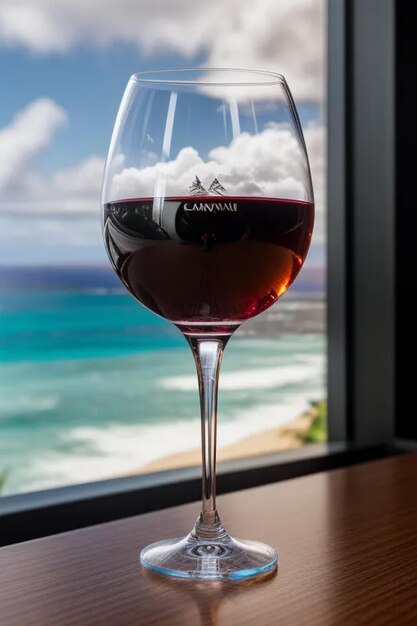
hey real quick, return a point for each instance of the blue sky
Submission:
(87, 83)
(64, 66)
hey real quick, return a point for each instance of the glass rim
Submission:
(157, 77)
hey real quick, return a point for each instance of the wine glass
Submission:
(207, 216)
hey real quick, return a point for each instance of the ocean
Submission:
(92, 385)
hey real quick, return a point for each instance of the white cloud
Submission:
(287, 36)
(30, 131)
(45, 216)
(80, 178)
(24, 189)
(55, 218)
(268, 164)
(80, 183)
(59, 213)
(45, 221)
(71, 190)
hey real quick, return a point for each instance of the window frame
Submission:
(361, 314)
(361, 220)
(39, 514)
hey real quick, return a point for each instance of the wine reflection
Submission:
(129, 224)
(207, 261)
(209, 596)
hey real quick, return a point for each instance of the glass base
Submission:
(217, 558)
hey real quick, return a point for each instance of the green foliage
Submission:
(317, 433)
(3, 477)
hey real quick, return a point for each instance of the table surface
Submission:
(347, 541)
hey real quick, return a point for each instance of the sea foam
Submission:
(122, 449)
(260, 378)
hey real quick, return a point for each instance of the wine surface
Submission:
(207, 262)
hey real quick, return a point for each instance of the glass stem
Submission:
(208, 354)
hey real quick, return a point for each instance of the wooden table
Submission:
(347, 541)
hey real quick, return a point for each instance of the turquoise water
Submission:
(50, 325)
(92, 385)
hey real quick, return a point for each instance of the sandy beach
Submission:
(266, 442)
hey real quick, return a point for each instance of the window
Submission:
(94, 386)
(361, 279)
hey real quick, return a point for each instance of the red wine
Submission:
(207, 263)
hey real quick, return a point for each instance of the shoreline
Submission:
(285, 437)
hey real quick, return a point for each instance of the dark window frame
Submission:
(361, 288)
(361, 220)
(406, 223)
(52, 511)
